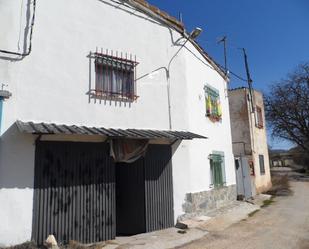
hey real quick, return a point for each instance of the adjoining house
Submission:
(249, 141)
(117, 122)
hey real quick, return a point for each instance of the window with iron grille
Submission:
(259, 117)
(213, 105)
(262, 166)
(115, 77)
(217, 169)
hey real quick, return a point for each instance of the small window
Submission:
(114, 78)
(259, 117)
(262, 166)
(213, 105)
(217, 170)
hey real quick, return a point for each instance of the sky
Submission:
(275, 34)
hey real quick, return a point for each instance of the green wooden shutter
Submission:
(216, 162)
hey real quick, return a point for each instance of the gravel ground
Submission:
(282, 225)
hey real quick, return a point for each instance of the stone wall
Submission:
(202, 202)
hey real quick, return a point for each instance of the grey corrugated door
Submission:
(74, 196)
(159, 188)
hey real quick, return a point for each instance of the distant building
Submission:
(293, 158)
(280, 158)
(249, 141)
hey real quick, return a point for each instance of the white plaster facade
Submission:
(51, 85)
(248, 139)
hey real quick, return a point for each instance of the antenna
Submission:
(180, 16)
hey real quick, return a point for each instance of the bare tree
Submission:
(287, 107)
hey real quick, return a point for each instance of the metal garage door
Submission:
(159, 188)
(74, 196)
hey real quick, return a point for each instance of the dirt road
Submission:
(282, 225)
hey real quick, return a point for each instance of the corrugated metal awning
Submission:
(49, 129)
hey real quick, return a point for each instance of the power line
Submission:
(237, 76)
(219, 65)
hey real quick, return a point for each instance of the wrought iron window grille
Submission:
(115, 76)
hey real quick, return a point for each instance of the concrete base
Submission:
(198, 227)
(168, 238)
(200, 203)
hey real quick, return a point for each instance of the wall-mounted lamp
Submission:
(195, 33)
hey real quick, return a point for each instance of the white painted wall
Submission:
(219, 133)
(51, 84)
(16, 186)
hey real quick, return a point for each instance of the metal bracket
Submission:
(5, 94)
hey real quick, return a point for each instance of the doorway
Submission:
(243, 178)
(130, 198)
(144, 193)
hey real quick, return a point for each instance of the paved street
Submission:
(282, 225)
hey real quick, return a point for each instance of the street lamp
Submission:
(195, 33)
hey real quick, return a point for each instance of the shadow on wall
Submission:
(17, 152)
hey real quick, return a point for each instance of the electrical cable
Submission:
(220, 66)
(237, 76)
(30, 47)
(30, 37)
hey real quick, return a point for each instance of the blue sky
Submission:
(275, 34)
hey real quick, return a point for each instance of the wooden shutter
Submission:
(216, 162)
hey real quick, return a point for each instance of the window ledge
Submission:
(97, 94)
(214, 118)
(211, 186)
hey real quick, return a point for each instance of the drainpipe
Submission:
(194, 34)
(1, 104)
(3, 95)
(30, 37)
(168, 86)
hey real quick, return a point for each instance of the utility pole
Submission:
(249, 80)
(225, 56)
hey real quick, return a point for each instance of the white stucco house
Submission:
(114, 121)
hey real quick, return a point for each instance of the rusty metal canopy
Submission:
(49, 129)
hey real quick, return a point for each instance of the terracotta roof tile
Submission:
(179, 26)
